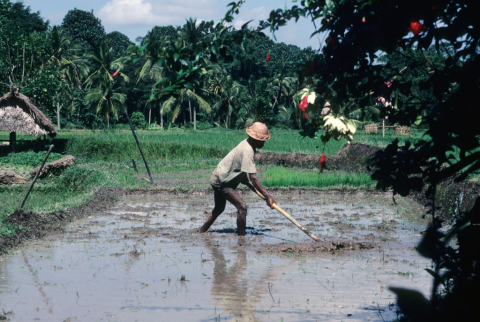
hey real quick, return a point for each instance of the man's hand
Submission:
(270, 201)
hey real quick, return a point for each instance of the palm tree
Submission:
(190, 34)
(72, 66)
(184, 97)
(106, 99)
(227, 93)
(104, 63)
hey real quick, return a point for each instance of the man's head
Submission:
(258, 133)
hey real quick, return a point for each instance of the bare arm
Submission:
(258, 185)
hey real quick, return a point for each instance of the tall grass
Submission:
(280, 177)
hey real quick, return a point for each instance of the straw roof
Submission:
(18, 114)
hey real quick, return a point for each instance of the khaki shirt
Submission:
(235, 166)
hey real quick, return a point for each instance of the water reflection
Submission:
(233, 289)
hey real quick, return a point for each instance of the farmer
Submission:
(234, 169)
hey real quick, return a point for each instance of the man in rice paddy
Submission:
(237, 167)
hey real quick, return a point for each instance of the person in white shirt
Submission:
(237, 167)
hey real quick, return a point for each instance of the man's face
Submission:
(257, 143)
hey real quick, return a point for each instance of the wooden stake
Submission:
(138, 144)
(13, 141)
(136, 171)
(36, 176)
(280, 210)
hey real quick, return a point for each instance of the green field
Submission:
(179, 160)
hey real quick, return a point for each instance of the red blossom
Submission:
(115, 74)
(310, 68)
(363, 19)
(304, 103)
(268, 56)
(416, 27)
(323, 160)
(305, 115)
(333, 41)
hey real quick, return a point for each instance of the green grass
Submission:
(189, 144)
(281, 177)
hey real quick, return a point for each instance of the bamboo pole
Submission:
(136, 170)
(283, 212)
(138, 144)
(36, 176)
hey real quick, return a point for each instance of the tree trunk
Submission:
(161, 117)
(108, 123)
(190, 110)
(13, 141)
(194, 116)
(184, 118)
(58, 113)
(194, 119)
(149, 116)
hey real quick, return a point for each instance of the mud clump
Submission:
(313, 248)
(351, 158)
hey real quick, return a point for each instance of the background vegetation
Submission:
(422, 70)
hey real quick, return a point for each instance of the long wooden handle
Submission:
(283, 212)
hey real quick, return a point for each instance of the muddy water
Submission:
(142, 261)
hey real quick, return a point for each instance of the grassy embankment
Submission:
(182, 160)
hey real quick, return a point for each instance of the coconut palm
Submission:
(65, 56)
(183, 98)
(226, 92)
(105, 66)
(106, 99)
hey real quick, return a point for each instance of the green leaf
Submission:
(434, 274)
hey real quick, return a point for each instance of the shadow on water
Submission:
(251, 231)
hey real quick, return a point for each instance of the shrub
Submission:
(138, 121)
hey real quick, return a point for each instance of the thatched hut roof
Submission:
(18, 114)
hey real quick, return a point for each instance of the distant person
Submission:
(237, 167)
(325, 111)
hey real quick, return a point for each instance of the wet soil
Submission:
(33, 225)
(141, 258)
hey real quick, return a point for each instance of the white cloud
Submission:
(257, 14)
(156, 12)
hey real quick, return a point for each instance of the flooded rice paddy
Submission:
(142, 261)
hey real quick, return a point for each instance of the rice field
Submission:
(189, 145)
(281, 177)
(179, 160)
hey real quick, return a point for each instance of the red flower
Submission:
(363, 19)
(333, 41)
(305, 115)
(115, 74)
(416, 27)
(323, 160)
(268, 56)
(303, 105)
(310, 68)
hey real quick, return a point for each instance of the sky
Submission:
(135, 18)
